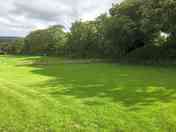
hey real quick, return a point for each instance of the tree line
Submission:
(142, 27)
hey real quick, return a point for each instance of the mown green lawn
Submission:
(40, 94)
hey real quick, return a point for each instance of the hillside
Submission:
(7, 39)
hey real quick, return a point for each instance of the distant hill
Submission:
(7, 39)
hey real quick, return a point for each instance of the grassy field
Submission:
(40, 94)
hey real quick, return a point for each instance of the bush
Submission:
(152, 54)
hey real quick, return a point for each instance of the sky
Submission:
(19, 17)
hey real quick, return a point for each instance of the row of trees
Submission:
(128, 26)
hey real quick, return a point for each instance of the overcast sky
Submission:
(19, 17)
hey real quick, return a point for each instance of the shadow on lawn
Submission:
(129, 85)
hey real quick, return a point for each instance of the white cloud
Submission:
(19, 17)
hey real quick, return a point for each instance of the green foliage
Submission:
(48, 41)
(162, 14)
(37, 42)
(4, 48)
(130, 8)
(129, 26)
(59, 38)
(11, 45)
(153, 54)
(17, 46)
(82, 40)
(133, 9)
(120, 35)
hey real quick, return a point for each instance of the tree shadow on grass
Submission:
(125, 84)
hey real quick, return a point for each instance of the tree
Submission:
(103, 45)
(17, 46)
(59, 38)
(38, 42)
(120, 35)
(82, 39)
(162, 14)
(145, 31)
(47, 41)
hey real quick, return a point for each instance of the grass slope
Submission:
(40, 94)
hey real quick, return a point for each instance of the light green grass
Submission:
(55, 95)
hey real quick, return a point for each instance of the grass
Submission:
(42, 94)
